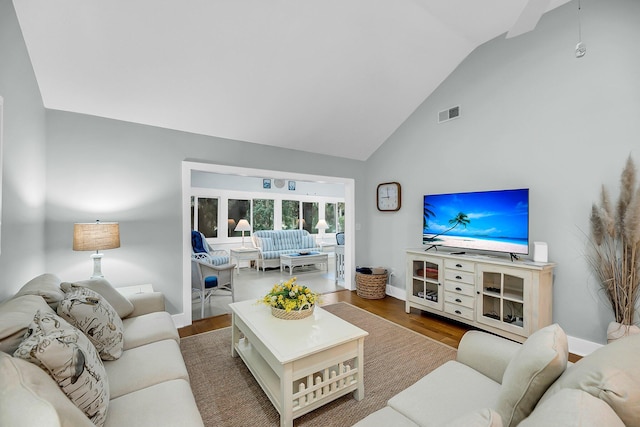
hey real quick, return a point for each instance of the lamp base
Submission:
(97, 266)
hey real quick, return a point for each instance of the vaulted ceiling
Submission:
(335, 77)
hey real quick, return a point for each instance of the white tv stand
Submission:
(509, 298)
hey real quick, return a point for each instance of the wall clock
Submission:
(388, 196)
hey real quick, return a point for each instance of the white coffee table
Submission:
(300, 364)
(297, 260)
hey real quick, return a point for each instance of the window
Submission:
(310, 216)
(207, 215)
(330, 217)
(238, 209)
(340, 216)
(290, 214)
(263, 214)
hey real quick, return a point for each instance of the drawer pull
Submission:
(458, 277)
(458, 300)
(459, 265)
(458, 312)
(459, 289)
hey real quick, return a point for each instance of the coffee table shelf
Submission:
(300, 374)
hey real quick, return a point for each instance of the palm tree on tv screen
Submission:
(460, 219)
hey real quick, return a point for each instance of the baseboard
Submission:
(581, 347)
(577, 346)
(179, 320)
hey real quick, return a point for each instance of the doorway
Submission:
(190, 167)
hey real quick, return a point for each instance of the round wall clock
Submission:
(388, 196)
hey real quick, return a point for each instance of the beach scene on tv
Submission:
(495, 221)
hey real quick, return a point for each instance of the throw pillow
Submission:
(30, 397)
(612, 374)
(118, 301)
(541, 359)
(16, 315)
(71, 360)
(45, 285)
(573, 408)
(92, 314)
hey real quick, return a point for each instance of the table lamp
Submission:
(95, 236)
(321, 226)
(243, 225)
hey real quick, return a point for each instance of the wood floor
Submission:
(440, 329)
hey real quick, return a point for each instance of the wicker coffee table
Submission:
(300, 259)
(300, 364)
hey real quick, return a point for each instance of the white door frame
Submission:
(188, 167)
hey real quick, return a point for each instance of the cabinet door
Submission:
(425, 283)
(504, 300)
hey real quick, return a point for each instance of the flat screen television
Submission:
(496, 221)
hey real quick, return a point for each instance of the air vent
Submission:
(449, 114)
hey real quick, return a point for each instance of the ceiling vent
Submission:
(449, 114)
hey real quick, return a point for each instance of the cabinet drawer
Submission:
(455, 264)
(459, 276)
(458, 310)
(464, 300)
(461, 288)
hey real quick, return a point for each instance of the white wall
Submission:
(21, 257)
(532, 115)
(117, 171)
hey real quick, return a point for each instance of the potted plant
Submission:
(614, 251)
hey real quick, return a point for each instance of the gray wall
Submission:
(22, 240)
(117, 171)
(532, 116)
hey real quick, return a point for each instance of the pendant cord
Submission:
(579, 24)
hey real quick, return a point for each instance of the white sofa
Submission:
(496, 382)
(148, 384)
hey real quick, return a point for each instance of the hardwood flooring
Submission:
(438, 328)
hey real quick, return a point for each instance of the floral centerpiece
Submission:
(289, 300)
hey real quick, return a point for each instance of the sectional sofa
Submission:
(82, 354)
(496, 382)
(273, 243)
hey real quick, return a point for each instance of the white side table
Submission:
(243, 254)
(135, 289)
(327, 247)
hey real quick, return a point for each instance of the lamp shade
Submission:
(243, 225)
(95, 236)
(322, 225)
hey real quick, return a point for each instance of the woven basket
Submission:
(293, 314)
(371, 286)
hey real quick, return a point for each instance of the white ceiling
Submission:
(335, 77)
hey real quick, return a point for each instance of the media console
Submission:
(509, 298)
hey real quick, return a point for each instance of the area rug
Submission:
(228, 395)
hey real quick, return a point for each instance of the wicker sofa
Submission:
(273, 243)
(51, 374)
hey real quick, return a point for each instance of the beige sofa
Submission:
(496, 382)
(147, 385)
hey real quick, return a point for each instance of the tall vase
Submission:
(617, 330)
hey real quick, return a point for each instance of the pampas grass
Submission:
(614, 247)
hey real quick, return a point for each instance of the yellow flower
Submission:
(289, 295)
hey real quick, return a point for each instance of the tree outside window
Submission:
(330, 217)
(263, 214)
(340, 216)
(207, 211)
(310, 216)
(238, 209)
(290, 214)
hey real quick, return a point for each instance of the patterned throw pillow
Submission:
(93, 315)
(71, 360)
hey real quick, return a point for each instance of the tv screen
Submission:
(495, 221)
